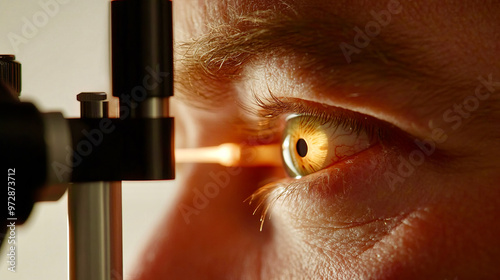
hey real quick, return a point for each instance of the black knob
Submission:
(10, 71)
(93, 104)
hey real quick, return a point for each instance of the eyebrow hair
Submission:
(207, 65)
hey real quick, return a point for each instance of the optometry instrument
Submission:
(41, 153)
(44, 154)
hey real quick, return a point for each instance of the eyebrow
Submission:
(208, 65)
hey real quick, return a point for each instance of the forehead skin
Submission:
(469, 28)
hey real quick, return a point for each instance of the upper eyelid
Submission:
(271, 113)
(272, 108)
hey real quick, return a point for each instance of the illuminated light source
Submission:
(230, 154)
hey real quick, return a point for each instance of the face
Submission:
(387, 115)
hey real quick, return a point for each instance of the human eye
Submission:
(312, 143)
(315, 136)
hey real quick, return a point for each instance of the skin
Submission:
(348, 221)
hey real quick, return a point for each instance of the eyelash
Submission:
(272, 113)
(273, 110)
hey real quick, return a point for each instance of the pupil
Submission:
(302, 147)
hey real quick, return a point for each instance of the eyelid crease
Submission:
(272, 109)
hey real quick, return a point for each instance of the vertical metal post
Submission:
(95, 216)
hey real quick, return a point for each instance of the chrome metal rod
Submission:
(95, 220)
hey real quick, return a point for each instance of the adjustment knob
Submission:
(10, 72)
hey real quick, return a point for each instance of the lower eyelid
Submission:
(328, 190)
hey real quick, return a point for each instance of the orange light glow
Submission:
(230, 154)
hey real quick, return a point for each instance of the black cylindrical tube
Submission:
(142, 50)
(22, 150)
(142, 65)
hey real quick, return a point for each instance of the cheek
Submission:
(338, 215)
(452, 235)
(431, 224)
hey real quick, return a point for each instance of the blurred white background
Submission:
(63, 46)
